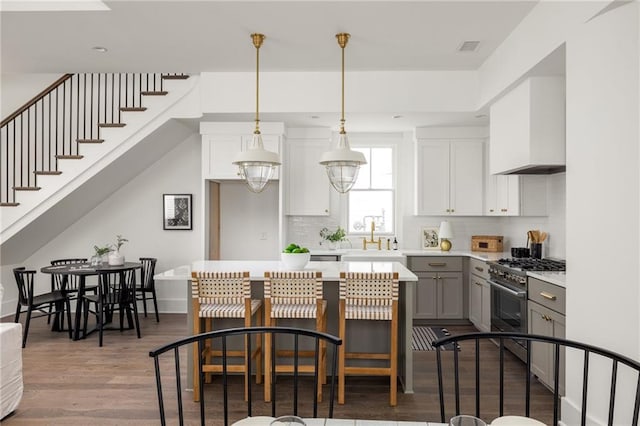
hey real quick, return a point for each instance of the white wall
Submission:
(135, 211)
(603, 280)
(18, 89)
(248, 222)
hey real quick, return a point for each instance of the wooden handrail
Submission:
(36, 98)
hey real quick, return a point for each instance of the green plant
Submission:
(101, 251)
(120, 241)
(338, 235)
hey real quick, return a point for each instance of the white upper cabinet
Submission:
(221, 142)
(449, 176)
(512, 195)
(527, 128)
(308, 188)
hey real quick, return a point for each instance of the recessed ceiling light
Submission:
(397, 116)
(469, 46)
(99, 49)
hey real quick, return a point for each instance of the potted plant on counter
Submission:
(334, 238)
(116, 258)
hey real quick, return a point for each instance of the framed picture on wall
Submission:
(177, 212)
(429, 238)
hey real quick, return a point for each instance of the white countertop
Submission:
(373, 253)
(557, 278)
(257, 268)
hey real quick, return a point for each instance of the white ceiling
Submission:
(198, 36)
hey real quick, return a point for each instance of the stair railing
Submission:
(70, 112)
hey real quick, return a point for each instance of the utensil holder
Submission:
(536, 250)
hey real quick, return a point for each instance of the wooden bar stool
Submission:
(369, 296)
(224, 295)
(293, 295)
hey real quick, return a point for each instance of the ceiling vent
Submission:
(469, 46)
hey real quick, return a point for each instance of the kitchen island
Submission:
(369, 332)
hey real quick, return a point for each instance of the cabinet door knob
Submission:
(491, 210)
(452, 210)
(326, 210)
(503, 210)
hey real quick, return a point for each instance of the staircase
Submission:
(72, 130)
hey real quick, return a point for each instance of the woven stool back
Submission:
(221, 287)
(293, 287)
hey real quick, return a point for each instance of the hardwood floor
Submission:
(79, 383)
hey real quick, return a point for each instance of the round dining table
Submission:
(84, 270)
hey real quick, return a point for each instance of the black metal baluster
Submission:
(91, 110)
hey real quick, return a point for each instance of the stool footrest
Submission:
(366, 355)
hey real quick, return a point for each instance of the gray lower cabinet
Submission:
(439, 290)
(546, 308)
(479, 295)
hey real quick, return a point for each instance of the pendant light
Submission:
(342, 163)
(257, 164)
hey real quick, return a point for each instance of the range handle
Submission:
(520, 294)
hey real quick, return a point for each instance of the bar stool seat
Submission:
(293, 295)
(369, 296)
(224, 295)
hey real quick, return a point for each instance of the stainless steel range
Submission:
(508, 280)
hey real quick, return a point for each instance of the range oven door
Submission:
(509, 313)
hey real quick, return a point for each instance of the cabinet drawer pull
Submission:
(479, 268)
(477, 283)
(547, 295)
(438, 264)
(546, 318)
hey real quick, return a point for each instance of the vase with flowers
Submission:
(99, 255)
(115, 257)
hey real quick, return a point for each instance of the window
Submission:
(372, 197)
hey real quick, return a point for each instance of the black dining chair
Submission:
(292, 386)
(146, 288)
(116, 291)
(40, 302)
(72, 281)
(498, 386)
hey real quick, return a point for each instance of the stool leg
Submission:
(342, 353)
(208, 347)
(196, 354)
(267, 357)
(259, 353)
(393, 353)
(247, 355)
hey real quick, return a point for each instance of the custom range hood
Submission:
(527, 129)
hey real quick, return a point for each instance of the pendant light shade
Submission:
(342, 163)
(257, 164)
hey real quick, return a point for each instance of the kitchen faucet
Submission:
(372, 241)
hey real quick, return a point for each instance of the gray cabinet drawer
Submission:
(435, 263)
(479, 268)
(548, 295)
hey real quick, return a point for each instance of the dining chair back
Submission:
(115, 290)
(68, 282)
(293, 387)
(498, 385)
(32, 302)
(146, 288)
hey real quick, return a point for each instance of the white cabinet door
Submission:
(309, 190)
(217, 154)
(449, 177)
(466, 177)
(432, 177)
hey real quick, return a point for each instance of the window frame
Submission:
(377, 141)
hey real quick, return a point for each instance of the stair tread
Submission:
(69, 157)
(111, 124)
(89, 140)
(175, 77)
(48, 172)
(133, 109)
(9, 204)
(26, 188)
(154, 93)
